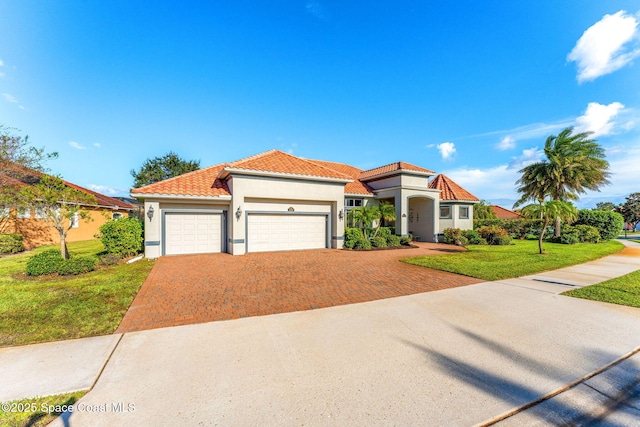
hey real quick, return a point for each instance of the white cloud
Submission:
(10, 98)
(1, 63)
(491, 183)
(529, 156)
(506, 143)
(532, 131)
(97, 144)
(103, 189)
(601, 48)
(598, 119)
(431, 146)
(316, 9)
(77, 146)
(447, 150)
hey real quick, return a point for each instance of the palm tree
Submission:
(549, 211)
(364, 216)
(387, 213)
(574, 164)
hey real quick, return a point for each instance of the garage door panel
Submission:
(286, 232)
(190, 233)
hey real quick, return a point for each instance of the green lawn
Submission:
(623, 290)
(519, 259)
(38, 411)
(39, 309)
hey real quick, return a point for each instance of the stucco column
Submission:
(152, 230)
(402, 213)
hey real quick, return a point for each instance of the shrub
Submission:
(405, 240)
(517, 228)
(45, 262)
(495, 235)
(352, 236)
(608, 223)
(362, 244)
(384, 232)
(451, 235)
(579, 234)
(76, 265)
(379, 242)
(473, 237)
(394, 240)
(11, 243)
(121, 236)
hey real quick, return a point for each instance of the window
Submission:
(445, 212)
(24, 213)
(74, 221)
(116, 215)
(41, 213)
(464, 212)
(4, 212)
(353, 203)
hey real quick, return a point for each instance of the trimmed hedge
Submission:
(454, 236)
(579, 234)
(608, 223)
(495, 235)
(379, 242)
(517, 228)
(354, 239)
(51, 261)
(11, 243)
(121, 236)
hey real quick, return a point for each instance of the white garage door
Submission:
(286, 232)
(193, 233)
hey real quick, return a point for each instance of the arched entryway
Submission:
(421, 220)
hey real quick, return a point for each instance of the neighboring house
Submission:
(276, 201)
(502, 213)
(31, 225)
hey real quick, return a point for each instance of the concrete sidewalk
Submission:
(456, 357)
(453, 357)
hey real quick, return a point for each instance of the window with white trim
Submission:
(24, 213)
(116, 215)
(463, 212)
(353, 203)
(41, 213)
(74, 221)
(5, 212)
(445, 212)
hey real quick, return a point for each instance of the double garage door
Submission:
(282, 232)
(195, 233)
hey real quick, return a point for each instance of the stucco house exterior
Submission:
(276, 201)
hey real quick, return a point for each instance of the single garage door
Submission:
(193, 233)
(286, 232)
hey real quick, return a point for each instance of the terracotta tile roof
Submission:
(281, 162)
(203, 182)
(25, 176)
(355, 187)
(7, 181)
(449, 190)
(101, 198)
(503, 213)
(397, 166)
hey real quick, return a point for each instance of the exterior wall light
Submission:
(341, 214)
(238, 213)
(404, 215)
(150, 213)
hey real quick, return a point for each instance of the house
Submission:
(31, 225)
(502, 213)
(276, 201)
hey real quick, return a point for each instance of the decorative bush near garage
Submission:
(51, 262)
(354, 239)
(122, 236)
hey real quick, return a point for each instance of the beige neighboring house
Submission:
(275, 201)
(33, 227)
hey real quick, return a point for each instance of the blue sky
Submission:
(470, 89)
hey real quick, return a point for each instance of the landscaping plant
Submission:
(122, 237)
(608, 223)
(11, 243)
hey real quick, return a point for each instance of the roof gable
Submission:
(393, 167)
(355, 187)
(275, 161)
(451, 191)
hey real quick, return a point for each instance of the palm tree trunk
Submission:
(558, 229)
(544, 227)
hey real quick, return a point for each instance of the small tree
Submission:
(364, 216)
(606, 206)
(59, 205)
(549, 212)
(387, 213)
(483, 210)
(630, 210)
(161, 168)
(19, 164)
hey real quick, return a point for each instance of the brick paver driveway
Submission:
(189, 289)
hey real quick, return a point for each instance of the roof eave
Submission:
(178, 196)
(397, 172)
(230, 171)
